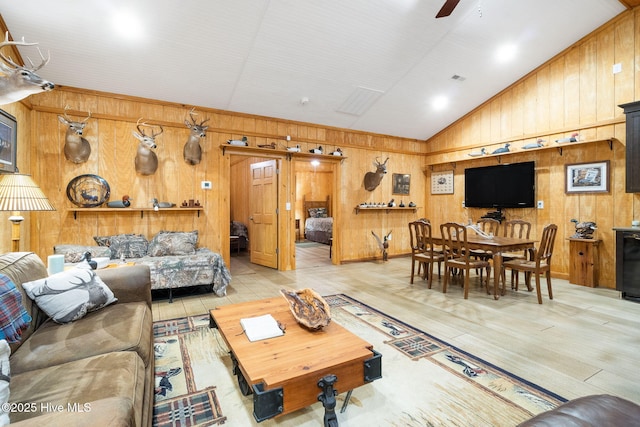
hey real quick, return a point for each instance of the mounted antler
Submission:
(192, 151)
(146, 160)
(76, 148)
(372, 179)
(19, 81)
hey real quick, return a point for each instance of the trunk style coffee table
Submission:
(299, 368)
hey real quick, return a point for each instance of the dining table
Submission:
(496, 245)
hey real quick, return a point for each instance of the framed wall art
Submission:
(587, 177)
(442, 182)
(8, 142)
(401, 183)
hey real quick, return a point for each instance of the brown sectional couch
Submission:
(98, 369)
(601, 410)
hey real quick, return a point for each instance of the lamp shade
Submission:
(18, 192)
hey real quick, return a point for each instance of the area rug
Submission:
(425, 381)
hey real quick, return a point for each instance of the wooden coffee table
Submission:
(297, 369)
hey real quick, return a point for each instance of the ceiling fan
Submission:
(447, 8)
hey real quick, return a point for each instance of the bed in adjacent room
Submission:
(318, 223)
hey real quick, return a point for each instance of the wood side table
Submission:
(584, 262)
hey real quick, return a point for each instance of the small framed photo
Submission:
(587, 177)
(8, 142)
(401, 183)
(442, 182)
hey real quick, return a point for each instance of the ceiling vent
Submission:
(359, 101)
(458, 78)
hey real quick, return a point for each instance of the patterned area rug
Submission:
(425, 381)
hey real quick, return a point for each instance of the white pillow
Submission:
(69, 295)
(5, 375)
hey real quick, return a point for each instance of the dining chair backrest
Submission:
(547, 241)
(489, 225)
(454, 238)
(517, 228)
(416, 232)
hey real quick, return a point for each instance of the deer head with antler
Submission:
(372, 179)
(76, 148)
(192, 151)
(18, 81)
(146, 159)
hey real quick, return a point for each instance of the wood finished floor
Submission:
(584, 341)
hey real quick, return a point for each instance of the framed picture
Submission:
(401, 183)
(442, 182)
(8, 142)
(587, 177)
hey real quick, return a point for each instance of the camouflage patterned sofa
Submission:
(173, 258)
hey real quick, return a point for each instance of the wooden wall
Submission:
(109, 132)
(21, 112)
(574, 92)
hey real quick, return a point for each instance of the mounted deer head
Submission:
(192, 151)
(18, 81)
(76, 148)
(146, 160)
(372, 179)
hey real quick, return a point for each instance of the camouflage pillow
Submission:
(75, 253)
(173, 243)
(124, 245)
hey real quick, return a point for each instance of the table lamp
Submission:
(18, 192)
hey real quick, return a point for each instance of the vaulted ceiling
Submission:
(381, 66)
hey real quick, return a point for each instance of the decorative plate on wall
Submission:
(442, 182)
(88, 191)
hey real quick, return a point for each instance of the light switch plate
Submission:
(205, 185)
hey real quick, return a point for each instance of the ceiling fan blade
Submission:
(447, 8)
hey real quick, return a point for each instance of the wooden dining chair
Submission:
(490, 226)
(422, 250)
(458, 256)
(519, 229)
(539, 263)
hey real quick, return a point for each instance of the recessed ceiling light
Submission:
(127, 24)
(506, 53)
(439, 102)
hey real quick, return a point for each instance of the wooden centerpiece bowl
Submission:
(308, 308)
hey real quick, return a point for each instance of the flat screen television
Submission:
(509, 185)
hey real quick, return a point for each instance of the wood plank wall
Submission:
(575, 91)
(109, 132)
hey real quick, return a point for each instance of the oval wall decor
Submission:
(88, 191)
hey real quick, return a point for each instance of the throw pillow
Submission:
(75, 253)
(5, 376)
(124, 245)
(318, 212)
(71, 294)
(13, 316)
(173, 243)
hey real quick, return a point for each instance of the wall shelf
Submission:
(239, 149)
(129, 210)
(551, 145)
(358, 209)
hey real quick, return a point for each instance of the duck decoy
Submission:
(573, 138)
(482, 152)
(504, 149)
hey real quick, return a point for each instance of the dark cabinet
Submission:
(632, 112)
(628, 262)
